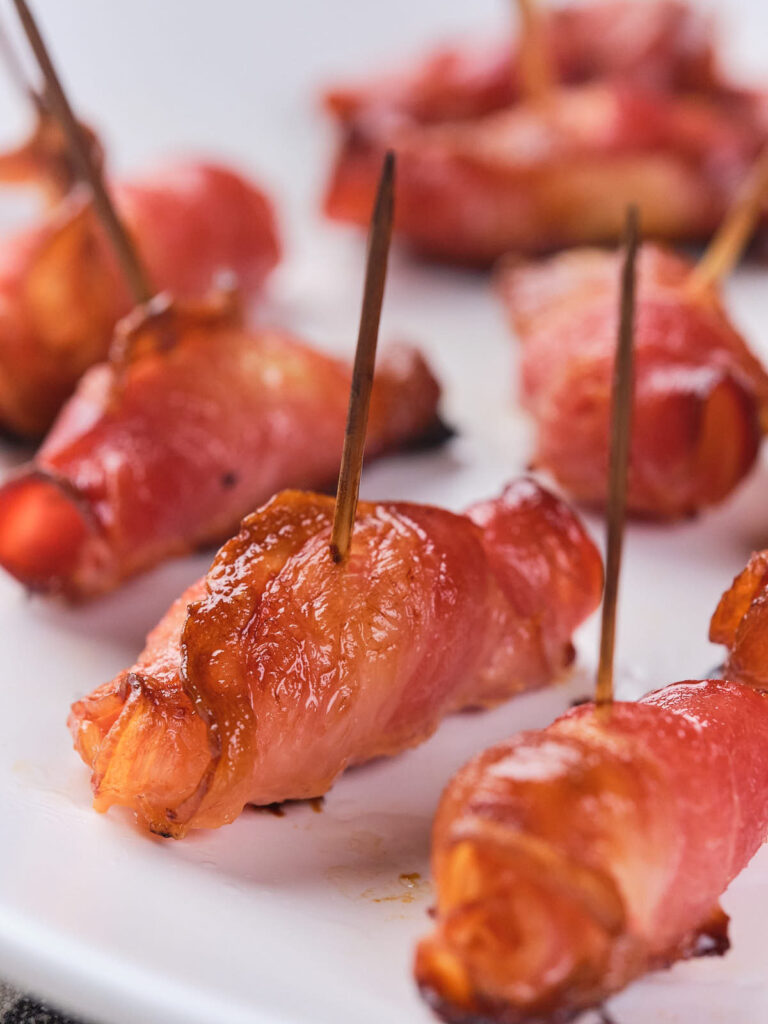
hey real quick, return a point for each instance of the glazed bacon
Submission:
(570, 861)
(740, 623)
(660, 44)
(61, 292)
(281, 668)
(699, 392)
(537, 177)
(193, 423)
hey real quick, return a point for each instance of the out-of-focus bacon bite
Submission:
(740, 623)
(61, 292)
(570, 861)
(658, 44)
(699, 392)
(193, 423)
(541, 176)
(643, 114)
(281, 667)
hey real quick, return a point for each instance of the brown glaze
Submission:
(281, 668)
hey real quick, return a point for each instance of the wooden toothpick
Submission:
(365, 359)
(56, 98)
(537, 74)
(17, 74)
(621, 434)
(725, 249)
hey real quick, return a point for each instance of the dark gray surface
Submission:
(16, 1008)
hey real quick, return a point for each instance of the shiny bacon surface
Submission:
(61, 292)
(167, 446)
(281, 668)
(699, 392)
(572, 860)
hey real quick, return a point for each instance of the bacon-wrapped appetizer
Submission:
(572, 860)
(192, 424)
(700, 394)
(61, 291)
(282, 667)
(661, 44)
(542, 175)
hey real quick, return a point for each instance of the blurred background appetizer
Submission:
(539, 144)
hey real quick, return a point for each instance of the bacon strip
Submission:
(166, 450)
(570, 861)
(699, 392)
(281, 668)
(533, 178)
(61, 292)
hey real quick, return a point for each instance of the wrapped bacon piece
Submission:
(193, 423)
(281, 668)
(662, 44)
(699, 391)
(61, 291)
(537, 177)
(570, 861)
(740, 623)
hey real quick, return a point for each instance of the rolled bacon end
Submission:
(281, 668)
(166, 454)
(532, 180)
(570, 861)
(700, 393)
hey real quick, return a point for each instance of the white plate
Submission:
(307, 918)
